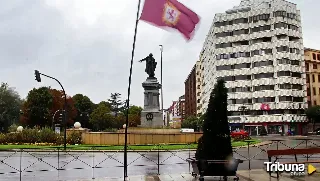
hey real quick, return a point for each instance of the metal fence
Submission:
(27, 164)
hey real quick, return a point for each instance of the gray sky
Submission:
(87, 45)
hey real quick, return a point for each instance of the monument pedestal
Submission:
(151, 115)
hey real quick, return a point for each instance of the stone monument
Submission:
(151, 115)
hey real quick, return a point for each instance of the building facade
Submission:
(198, 87)
(257, 49)
(312, 62)
(180, 107)
(190, 86)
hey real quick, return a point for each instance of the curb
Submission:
(256, 145)
(92, 150)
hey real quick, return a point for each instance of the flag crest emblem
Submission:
(171, 14)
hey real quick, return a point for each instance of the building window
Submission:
(307, 67)
(297, 99)
(308, 78)
(284, 73)
(285, 86)
(297, 86)
(263, 87)
(283, 49)
(308, 92)
(318, 56)
(295, 62)
(314, 56)
(314, 103)
(315, 66)
(263, 63)
(263, 75)
(285, 98)
(314, 91)
(313, 79)
(264, 99)
(318, 78)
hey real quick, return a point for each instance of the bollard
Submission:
(93, 163)
(20, 164)
(249, 155)
(158, 159)
(58, 160)
(307, 147)
(189, 156)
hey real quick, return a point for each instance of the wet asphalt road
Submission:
(46, 166)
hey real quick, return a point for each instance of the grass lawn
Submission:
(108, 147)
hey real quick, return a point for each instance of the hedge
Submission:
(34, 136)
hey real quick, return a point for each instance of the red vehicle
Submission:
(239, 133)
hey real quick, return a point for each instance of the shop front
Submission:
(275, 129)
(235, 126)
(253, 129)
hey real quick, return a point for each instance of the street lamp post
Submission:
(54, 115)
(243, 109)
(283, 122)
(37, 74)
(161, 50)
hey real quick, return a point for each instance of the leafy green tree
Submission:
(101, 118)
(10, 104)
(134, 116)
(135, 110)
(115, 102)
(215, 143)
(84, 108)
(37, 108)
(313, 114)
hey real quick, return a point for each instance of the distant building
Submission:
(312, 62)
(181, 107)
(199, 69)
(190, 93)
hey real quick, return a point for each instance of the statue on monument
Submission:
(151, 65)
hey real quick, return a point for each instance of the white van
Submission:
(185, 130)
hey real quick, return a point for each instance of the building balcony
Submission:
(274, 118)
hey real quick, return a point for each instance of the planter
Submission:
(214, 168)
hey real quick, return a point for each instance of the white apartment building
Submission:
(257, 49)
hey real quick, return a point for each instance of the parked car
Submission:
(239, 133)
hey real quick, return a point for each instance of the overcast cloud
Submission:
(87, 45)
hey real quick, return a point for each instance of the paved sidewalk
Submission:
(245, 175)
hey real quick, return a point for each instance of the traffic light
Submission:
(61, 117)
(37, 74)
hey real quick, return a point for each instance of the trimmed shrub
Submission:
(2, 138)
(215, 143)
(28, 136)
(12, 128)
(74, 138)
(11, 138)
(59, 140)
(47, 135)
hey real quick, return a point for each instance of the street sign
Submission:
(149, 116)
(57, 130)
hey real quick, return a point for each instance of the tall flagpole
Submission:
(125, 170)
(161, 50)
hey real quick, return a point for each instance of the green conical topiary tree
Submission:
(215, 144)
